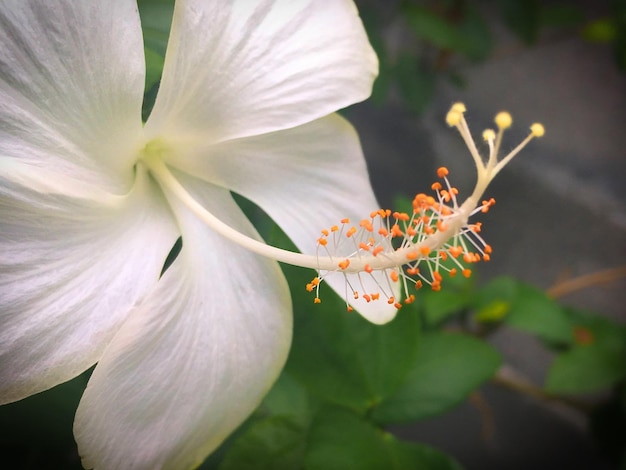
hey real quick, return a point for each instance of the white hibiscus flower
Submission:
(92, 201)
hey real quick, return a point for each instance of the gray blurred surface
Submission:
(561, 213)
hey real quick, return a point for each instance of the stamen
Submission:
(437, 235)
(391, 248)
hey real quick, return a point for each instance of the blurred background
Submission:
(559, 223)
(561, 204)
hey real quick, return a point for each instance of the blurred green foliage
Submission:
(422, 41)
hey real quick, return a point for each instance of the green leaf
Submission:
(563, 15)
(470, 36)
(154, 67)
(340, 356)
(288, 398)
(529, 310)
(420, 457)
(433, 28)
(596, 361)
(455, 296)
(447, 369)
(275, 443)
(36, 432)
(476, 40)
(343, 358)
(156, 19)
(416, 82)
(601, 31)
(585, 369)
(339, 439)
(523, 17)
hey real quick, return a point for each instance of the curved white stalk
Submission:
(444, 227)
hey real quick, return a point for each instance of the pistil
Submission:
(409, 248)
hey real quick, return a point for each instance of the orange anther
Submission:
(349, 309)
(418, 285)
(377, 250)
(488, 204)
(334, 228)
(394, 276)
(411, 231)
(317, 300)
(325, 232)
(375, 296)
(351, 232)
(436, 186)
(401, 216)
(452, 272)
(368, 269)
(383, 231)
(345, 221)
(467, 272)
(468, 258)
(455, 251)
(435, 286)
(391, 300)
(428, 230)
(488, 249)
(367, 225)
(410, 299)
(411, 255)
(441, 226)
(364, 246)
(445, 210)
(412, 271)
(344, 264)
(309, 287)
(367, 298)
(322, 241)
(437, 277)
(356, 295)
(442, 171)
(486, 257)
(373, 214)
(424, 250)
(395, 231)
(398, 305)
(443, 255)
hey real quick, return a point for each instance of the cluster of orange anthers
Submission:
(387, 232)
(413, 249)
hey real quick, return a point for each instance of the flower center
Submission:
(155, 150)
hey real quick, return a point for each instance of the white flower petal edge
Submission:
(247, 67)
(195, 359)
(72, 76)
(70, 271)
(307, 179)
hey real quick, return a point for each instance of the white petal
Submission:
(70, 271)
(246, 67)
(307, 179)
(71, 88)
(194, 360)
